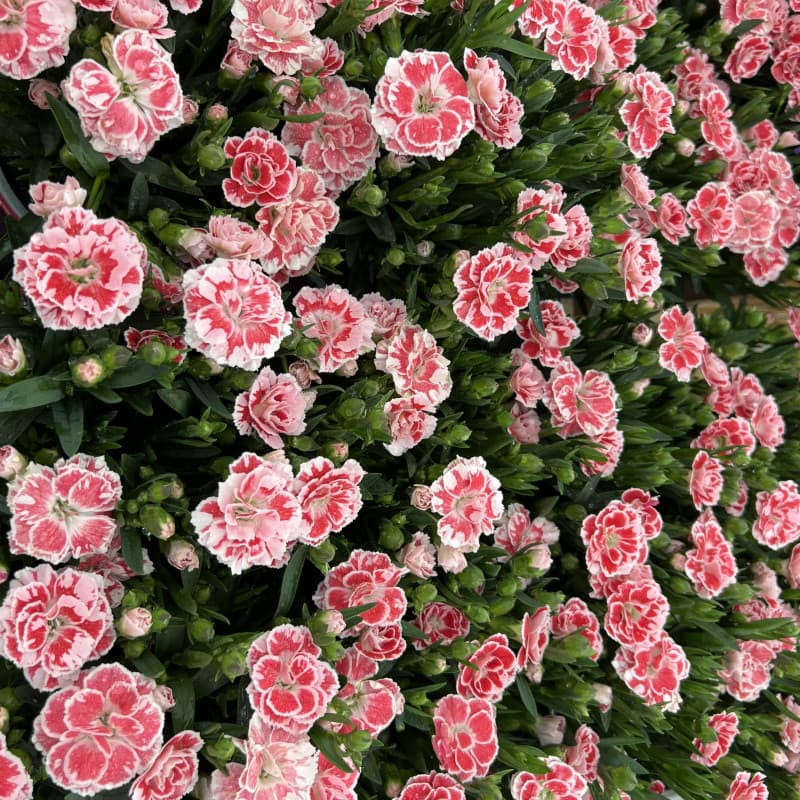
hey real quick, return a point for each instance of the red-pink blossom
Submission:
(342, 146)
(81, 271)
(419, 556)
(469, 500)
(382, 642)
(145, 15)
(539, 206)
(52, 623)
(255, 517)
(574, 616)
(493, 287)
(440, 623)
(433, 786)
(655, 671)
(711, 214)
(710, 564)
(273, 406)
(747, 670)
(683, 347)
(581, 402)
(748, 786)
(465, 738)
(290, 686)
(615, 540)
(422, 105)
(790, 730)
(647, 113)
(635, 184)
(338, 320)
(100, 732)
(63, 511)
(768, 424)
(48, 197)
(584, 755)
(706, 480)
(535, 632)
(234, 313)
(125, 109)
(233, 238)
(262, 171)
(560, 330)
(610, 445)
(331, 783)
(16, 783)
(329, 497)
(637, 612)
(725, 726)
(561, 781)
(489, 670)
(724, 437)
(778, 522)
(640, 265)
(365, 578)
(573, 36)
(278, 32)
(411, 419)
(515, 531)
(670, 218)
(174, 771)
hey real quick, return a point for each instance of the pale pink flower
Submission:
(48, 197)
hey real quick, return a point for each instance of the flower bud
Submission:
(164, 698)
(161, 619)
(211, 156)
(421, 497)
(642, 334)
(391, 537)
(12, 462)
(201, 630)
(233, 664)
(87, 371)
(134, 622)
(603, 696)
(471, 578)
(182, 555)
(5, 719)
(153, 352)
(157, 521)
(134, 648)
(425, 593)
(550, 730)
(12, 357)
(216, 114)
(222, 751)
(321, 555)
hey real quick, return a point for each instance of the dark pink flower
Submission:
(725, 726)
(16, 783)
(637, 612)
(640, 265)
(433, 786)
(748, 786)
(683, 347)
(561, 781)
(173, 773)
(489, 670)
(647, 113)
(615, 540)
(778, 522)
(465, 738)
(411, 419)
(581, 402)
(574, 617)
(441, 623)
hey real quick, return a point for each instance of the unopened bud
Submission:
(87, 371)
(134, 623)
(157, 521)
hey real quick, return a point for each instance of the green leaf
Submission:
(526, 695)
(411, 631)
(132, 549)
(105, 394)
(353, 615)
(510, 45)
(93, 162)
(164, 175)
(31, 393)
(206, 395)
(291, 577)
(534, 310)
(177, 399)
(328, 744)
(14, 423)
(68, 422)
(139, 197)
(136, 373)
(149, 665)
(183, 711)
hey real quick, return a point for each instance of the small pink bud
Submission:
(603, 696)
(12, 356)
(303, 374)
(88, 371)
(678, 562)
(340, 449)
(190, 110)
(788, 139)
(163, 697)
(334, 621)
(685, 147)
(421, 497)
(38, 91)
(642, 334)
(134, 622)
(348, 369)
(639, 386)
(5, 718)
(419, 556)
(424, 248)
(217, 112)
(550, 730)
(182, 555)
(12, 462)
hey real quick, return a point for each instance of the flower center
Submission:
(82, 271)
(427, 103)
(61, 508)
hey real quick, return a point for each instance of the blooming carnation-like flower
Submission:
(81, 271)
(15, 783)
(382, 642)
(724, 436)
(637, 612)
(469, 500)
(338, 320)
(255, 517)
(493, 287)
(52, 623)
(560, 781)
(366, 577)
(584, 755)
(778, 522)
(279, 765)
(331, 783)
(278, 32)
(711, 214)
(573, 36)
(541, 206)
(63, 511)
(515, 531)
(441, 623)
(329, 497)
(433, 786)
(647, 113)
(416, 365)
(34, 36)
(493, 668)
(126, 108)
(683, 347)
(790, 731)
(640, 264)
(581, 402)
(48, 197)
(101, 732)
(465, 738)
(422, 105)
(230, 237)
(705, 483)
(654, 672)
(536, 630)
(747, 670)
(262, 171)
(710, 563)
(725, 726)
(173, 773)
(272, 407)
(342, 146)
(290, 686)
(748, 786)
(615, 540)
(411, 419)
(234, 313)
(574, 616)
(295, 227)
